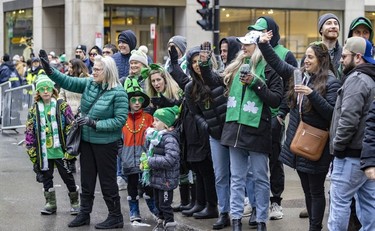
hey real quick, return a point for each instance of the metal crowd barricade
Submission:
(15, 106)
(3, 87)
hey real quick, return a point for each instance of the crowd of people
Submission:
(211, 128)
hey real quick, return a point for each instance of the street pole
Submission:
(216, 27)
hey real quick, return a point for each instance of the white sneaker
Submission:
(247, 208)
(276, 212)
(121, 183)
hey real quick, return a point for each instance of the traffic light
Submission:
(206, 14)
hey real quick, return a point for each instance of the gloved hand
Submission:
(144, 162)
(68, 157)
(45, 63)
(173, 54)
(86, 121)
(162, 101)
(39, 174)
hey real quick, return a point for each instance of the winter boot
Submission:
(193, 198)
(170, 226)
(115, 219)
(74, 203)
(50, 206)
(134, 209)
(83, 217)
(210, 211)
(184, 198)
(151, 204)
(159, 225)
(236, 225)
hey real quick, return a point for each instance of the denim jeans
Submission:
(221, 164)
(250, 185)
(347, 179)
(239, 167)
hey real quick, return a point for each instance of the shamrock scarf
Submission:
(153, 137)
(45, 128)
(245, 107)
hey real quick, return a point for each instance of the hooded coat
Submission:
(8, 72)
(352, 106)
(233, 48)
(351, 27)
(122, 61)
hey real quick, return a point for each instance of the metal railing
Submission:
(14, 105)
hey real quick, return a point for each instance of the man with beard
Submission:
(329, 29)
(346, 134)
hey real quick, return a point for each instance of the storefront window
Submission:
(19, 30)
(297, 28)
(138, 19)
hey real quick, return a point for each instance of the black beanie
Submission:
(128, 37)
(6, 58)
(323, 18)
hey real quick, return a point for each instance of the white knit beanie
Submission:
(139, 55)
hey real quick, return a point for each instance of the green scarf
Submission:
(246, 110)
(52, 140)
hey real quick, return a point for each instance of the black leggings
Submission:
(313, 187)
(134, 184)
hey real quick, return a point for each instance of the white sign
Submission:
(152, 30)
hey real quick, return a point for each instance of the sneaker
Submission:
(121, 183)
(247, 210)
(276, 212)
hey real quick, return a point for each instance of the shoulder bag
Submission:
(309, 141)
(73, 138)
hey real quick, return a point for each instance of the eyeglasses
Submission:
(93, 54)
(97, 69)
(343, 56)
(134, 100)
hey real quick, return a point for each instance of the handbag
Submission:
(309, 141)
(73, 139)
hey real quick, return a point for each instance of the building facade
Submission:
(60, 25)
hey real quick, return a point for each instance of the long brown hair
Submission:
(318, 79)
(79, 68)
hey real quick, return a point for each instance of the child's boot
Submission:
(50, 206)
(74, 202)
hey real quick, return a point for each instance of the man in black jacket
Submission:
(346, 134)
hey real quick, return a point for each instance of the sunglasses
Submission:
(319, 44)
(93, 54)
(134, 100)
(44, 89)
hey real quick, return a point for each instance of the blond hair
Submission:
(231, 70)
(110, 72)
(171, 90)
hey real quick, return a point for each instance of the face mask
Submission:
(14, 62)
(33, 68)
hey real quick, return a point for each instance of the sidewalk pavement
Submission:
(21, 198)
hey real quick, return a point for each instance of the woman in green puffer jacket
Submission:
(101, 121)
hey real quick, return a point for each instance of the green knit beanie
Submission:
(167, 115)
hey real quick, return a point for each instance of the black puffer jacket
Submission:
(165, 163)
(320, 117)
(213, 113)
(257, 139)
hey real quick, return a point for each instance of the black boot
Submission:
(85, 208)
(210, 211)
(115, 219)
(80, 220)
(197, 208)
(193, 198)
(184, 198)
(222, 222)
(236, 225)
(261, 226)
(253, 218)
